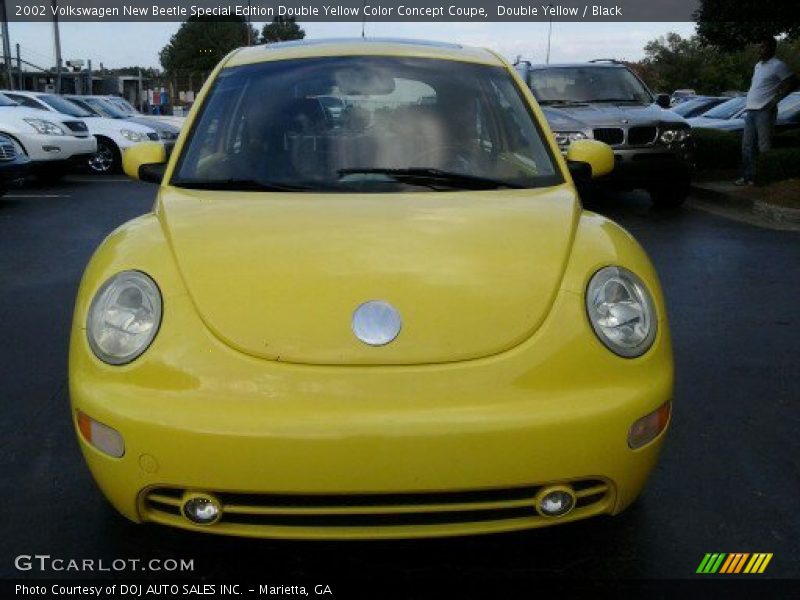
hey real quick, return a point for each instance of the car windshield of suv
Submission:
(585, 84)
(65, 106)
(726, 110)
(404, 124)
(104, 108)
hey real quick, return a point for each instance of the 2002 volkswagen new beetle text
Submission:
(368, 304)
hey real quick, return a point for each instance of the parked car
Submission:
(788, 116)
(606, 101)
(102, 107)
(130, 110)
(404, 329)
(680, 96)
(697, 105)
(52, 142)
(112, 136)
(14, 163)
(721, 116)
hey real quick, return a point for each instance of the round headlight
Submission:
(124, 317)
(621, 311)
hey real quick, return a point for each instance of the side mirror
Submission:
(663, 100)
(589, 159)
(146, 162)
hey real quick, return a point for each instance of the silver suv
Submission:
(606, 101)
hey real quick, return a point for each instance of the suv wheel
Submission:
(671, 195)
(106, 160)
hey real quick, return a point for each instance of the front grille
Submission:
(612, 136)
(76, 126)
(7, 151)
(641, 136)
(266, 513)
(153, 136)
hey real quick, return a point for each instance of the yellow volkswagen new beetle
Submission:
(368, 304)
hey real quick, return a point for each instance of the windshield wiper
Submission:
(434, 178)
(240, 185)
(563, 103)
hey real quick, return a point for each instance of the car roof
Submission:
(362, 46)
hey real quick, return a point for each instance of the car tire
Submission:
(107, 160)
(671, 195)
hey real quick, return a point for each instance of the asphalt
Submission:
(728, 480)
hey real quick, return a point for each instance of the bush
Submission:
(777, 165)
(716, 149)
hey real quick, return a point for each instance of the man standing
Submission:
(772, 81)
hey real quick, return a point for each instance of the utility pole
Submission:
(57, 43)
(549, 33)
(20, 79)
(6, 45)
(363, 17)
(89, 70)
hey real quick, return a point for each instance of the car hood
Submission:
(154, 124)
(613, 115)
(722, 124)
(278, 276)
(113, 126)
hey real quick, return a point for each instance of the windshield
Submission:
(405, 124)
(789, 105)
(65, 106)
(104, 108)
(122, 105)
(565, 85)
(684, 108)
(6, 101)
(726, 110)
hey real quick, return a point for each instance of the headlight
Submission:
(124, 317)
(670, 136)
(45, 127)
(621, 311)
(132, 136)
(565, 138)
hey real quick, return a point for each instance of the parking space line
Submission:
(38, 196)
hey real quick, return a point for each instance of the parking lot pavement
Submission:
(728, 480)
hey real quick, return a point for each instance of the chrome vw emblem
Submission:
(376, 323)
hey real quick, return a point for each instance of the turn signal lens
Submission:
(102, 437)
(648, 428)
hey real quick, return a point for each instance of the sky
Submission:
(127, 44)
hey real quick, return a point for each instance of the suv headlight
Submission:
(621, 311)
(45, 127)
(124, 317)
(133, 136)
(565, 138)
(671, 136)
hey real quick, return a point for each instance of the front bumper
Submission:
(47, 149)
(300, 451)
(654, 166)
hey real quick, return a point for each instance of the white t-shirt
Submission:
(767, 76)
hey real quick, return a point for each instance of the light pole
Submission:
(57, 43)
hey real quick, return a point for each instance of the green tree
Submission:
(281, 29)
(201, 42)
(730, 25)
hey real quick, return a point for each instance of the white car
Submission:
(128, 109)
(51, 141)
(113, 136)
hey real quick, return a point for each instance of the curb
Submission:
(765, 210)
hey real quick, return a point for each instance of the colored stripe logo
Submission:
(734, 563)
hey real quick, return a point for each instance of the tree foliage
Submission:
(730, 25)
(281, 29)
(672, 62)
(201, 42)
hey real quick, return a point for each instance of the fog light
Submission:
(101, 436)
(555, 501)
(201, 509)
(646, 429)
